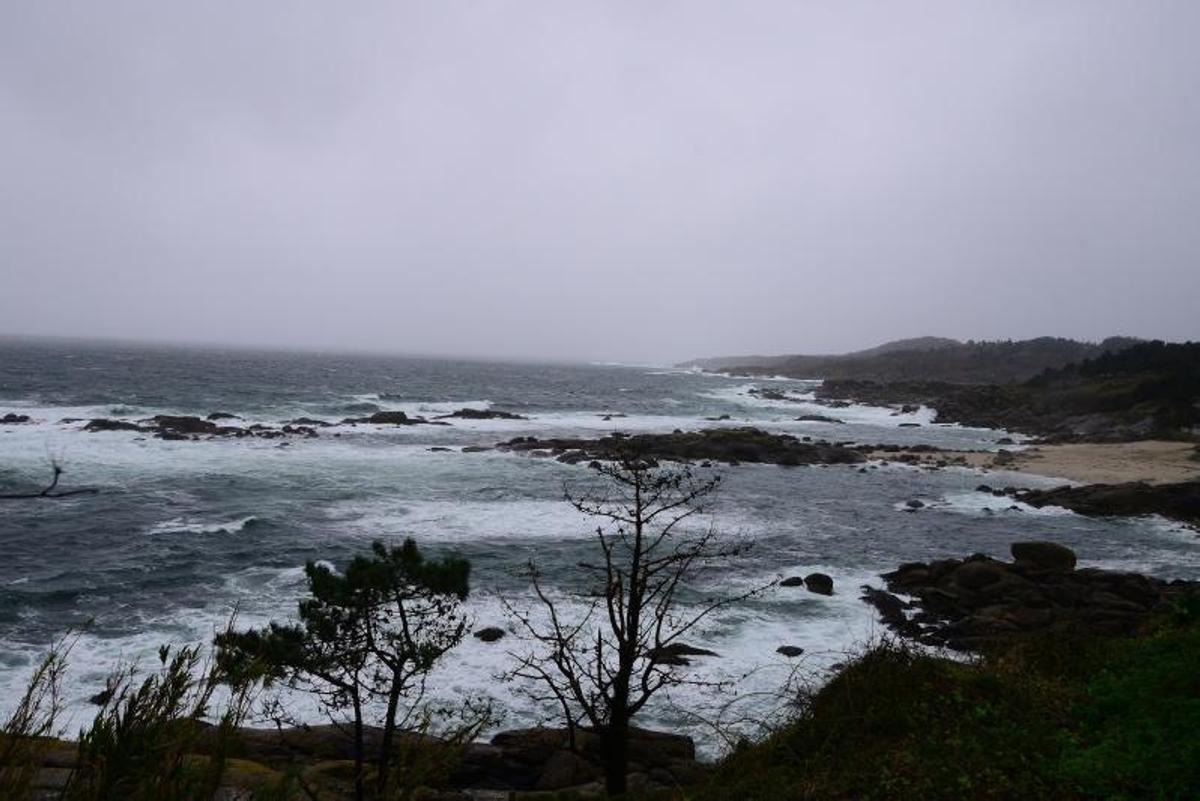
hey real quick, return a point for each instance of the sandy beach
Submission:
(1153, 461)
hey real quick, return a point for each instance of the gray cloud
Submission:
(613, 180)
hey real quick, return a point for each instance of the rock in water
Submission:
(490, 634)
(1044, 555)
(675, 653)
(789, 651)
(792, 581)
(819, 583)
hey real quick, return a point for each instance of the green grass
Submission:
(1111, 719)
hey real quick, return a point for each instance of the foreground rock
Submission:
(533, 761)
(1180, 501)
(14, 419)
(729, 445)
(520, 760)
(977, 602)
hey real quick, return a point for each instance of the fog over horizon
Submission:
(622, 181)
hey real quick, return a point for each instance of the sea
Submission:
(183, 534)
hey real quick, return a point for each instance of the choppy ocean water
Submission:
(185, 532)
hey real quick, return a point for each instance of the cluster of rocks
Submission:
(972, 603)
(729, 445)
(14, 419)
(174, 427)
(766, 393)
(1179, 501)
(180, 427)
(819, 583)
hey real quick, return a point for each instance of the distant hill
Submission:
(1147, 390)
(929, 359)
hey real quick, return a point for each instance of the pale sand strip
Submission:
(1155, 461)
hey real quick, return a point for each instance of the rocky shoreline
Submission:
(731, 446)
(979, 602)
(1180, 502)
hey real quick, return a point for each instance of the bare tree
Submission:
(604, 667)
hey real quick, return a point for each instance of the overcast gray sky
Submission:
(599, 180)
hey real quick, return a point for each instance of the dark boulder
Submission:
(790, 651)
(818, 418)
(819, 583)
(222, 416)
(387, 418)
(104, 424)
(14, 419)
(179, 424)
(677, 653)
(1044, 555)
(792, 581)
(490, 634)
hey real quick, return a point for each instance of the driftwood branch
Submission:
(48, 492)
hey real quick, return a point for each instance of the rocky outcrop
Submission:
(482, 414)
(729, 445)
(391, 419)
(1179, 501)
(105, 424)
(182, 428)
(14, 419)
(977, 602)
(818, 418)
(766, 393)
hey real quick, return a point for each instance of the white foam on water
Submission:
(454, 521)
(182, 525)
(977, 503)
(803, 402)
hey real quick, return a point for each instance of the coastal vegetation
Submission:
(928, 359)
(1145, 391)
(1051, 716)
(369, 633)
